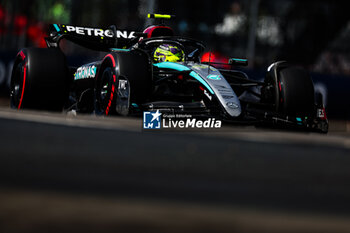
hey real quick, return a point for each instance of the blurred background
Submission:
(313, 34)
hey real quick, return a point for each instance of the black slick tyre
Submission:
(39, 80)
(290, 89)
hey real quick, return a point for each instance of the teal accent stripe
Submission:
(56, 27)
(179, 67)
(238, 59)
(124, 50)
(172, 65)
(298, 119)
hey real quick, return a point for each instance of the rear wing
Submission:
(93, 38)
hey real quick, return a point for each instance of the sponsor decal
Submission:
(214, 77)
(157, 120)
(221, 86)
(226, 97)
(85, 72)
(321, 113)
(203, 67)
(100, 32)
(225, 92)
(232, 105)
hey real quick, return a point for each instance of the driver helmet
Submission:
(170, 53)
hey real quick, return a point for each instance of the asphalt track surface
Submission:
(233, 168)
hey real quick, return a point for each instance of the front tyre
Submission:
(105, 92)
(123, 78)
(290, 90)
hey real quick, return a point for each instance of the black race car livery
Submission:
(127, 81)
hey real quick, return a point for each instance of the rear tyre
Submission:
(290, 89)
(39, 80)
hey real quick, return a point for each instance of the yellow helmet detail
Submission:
(168, 53)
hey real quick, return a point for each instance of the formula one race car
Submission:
(155, 70)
